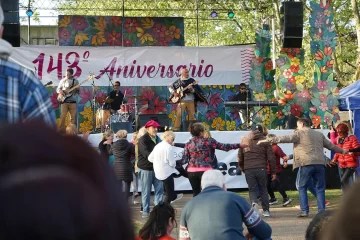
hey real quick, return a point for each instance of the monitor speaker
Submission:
(292, 24)
(121, 126)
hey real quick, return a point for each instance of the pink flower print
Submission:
(287, 73)
(324, 106)
(86, 95)
(323, 97)
(322, 86)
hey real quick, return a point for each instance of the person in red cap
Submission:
(146, 170)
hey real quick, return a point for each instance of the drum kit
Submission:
(105, 117)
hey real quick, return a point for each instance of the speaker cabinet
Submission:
(12, 33)
(11, 22)
(121, 126)
(293, 24)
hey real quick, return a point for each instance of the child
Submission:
(276, 184)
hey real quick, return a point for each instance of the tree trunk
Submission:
(357, 26)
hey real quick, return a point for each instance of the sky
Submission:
(46, 17)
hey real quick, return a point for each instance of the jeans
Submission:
(135, 182)
(311, 187)
(317, 173)
(346, 177)
(147, 179)
(256, 179)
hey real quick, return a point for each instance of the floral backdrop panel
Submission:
(154, 100)
(119, 31)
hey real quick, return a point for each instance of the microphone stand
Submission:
(247, 108)
(93, 107)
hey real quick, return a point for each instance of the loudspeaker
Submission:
(121, 125)
(10, 5)
(186, 124)
(11, 22)
(162, 119)
(12, 33)
(293, 24)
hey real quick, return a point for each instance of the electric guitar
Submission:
(180, 91)
(62, 97)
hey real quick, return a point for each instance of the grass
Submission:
(333, 196)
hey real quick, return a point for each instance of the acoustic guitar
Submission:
(68, 93)
(180, 91)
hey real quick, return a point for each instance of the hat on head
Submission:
(259, 128)
(152, 123)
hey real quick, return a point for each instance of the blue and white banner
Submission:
(227, 160)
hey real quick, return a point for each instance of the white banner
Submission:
(139, 66)
(227, 160)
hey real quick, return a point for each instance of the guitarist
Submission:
(69, 104)
(190, 97)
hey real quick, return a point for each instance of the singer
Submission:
(244, 95)
(115, 98)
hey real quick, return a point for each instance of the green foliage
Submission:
(250, 14)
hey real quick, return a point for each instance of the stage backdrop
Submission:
(121, 31)
(227, 160)
(145, 72)
(145, 66)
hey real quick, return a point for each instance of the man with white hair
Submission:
(22, 96)
(218, 214)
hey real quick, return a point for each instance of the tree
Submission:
(249, 16)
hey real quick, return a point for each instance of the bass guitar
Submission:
(68, 93)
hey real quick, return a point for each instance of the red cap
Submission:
(152, 123)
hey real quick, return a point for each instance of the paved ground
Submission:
(285, 224)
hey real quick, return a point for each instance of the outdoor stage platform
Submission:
(227, 160)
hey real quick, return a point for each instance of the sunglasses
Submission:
(117, 85)
(242, 88)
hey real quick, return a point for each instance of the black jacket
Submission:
(145, 147)
(122, 151)
(105, 150)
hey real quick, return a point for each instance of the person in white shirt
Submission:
(164, 164)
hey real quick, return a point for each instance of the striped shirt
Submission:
(22, 96)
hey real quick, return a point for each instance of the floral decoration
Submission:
(119, 31)
(262, 75)
(324, 109)
(293, 94)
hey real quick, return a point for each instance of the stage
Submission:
(227, 160)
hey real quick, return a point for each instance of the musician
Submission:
(244, 95)
(69, 104)
(115, 98)
(192, 95)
